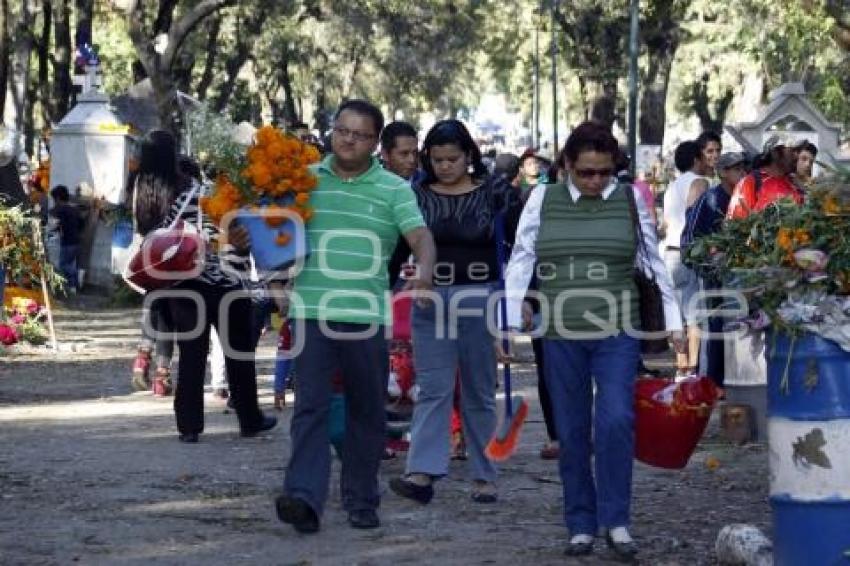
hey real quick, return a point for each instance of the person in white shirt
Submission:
(585, 238)
(682, 192)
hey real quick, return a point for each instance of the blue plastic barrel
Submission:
(268, 254)
(122, 234)
(809, 437)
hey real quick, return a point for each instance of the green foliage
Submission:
(115, 49)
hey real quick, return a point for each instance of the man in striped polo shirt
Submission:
(339, 306)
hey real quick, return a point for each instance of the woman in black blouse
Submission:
(460, 203)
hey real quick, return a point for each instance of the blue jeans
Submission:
(570, 364)
(68, 264)
(437, 360)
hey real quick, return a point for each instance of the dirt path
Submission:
(91, 473)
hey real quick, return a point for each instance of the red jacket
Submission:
(745, 199)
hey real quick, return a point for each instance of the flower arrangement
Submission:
(25, 322)
(272, 173)
(22, 256)
(39, 181)
(791, 261)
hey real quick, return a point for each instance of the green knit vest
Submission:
(586, 249)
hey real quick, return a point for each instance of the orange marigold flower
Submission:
(310, 154)
(802, 237)
(274, 215)
(784, 239)
(831, 206)
(302, 198)
(307, 213)
(282, 238)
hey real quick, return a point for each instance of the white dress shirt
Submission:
(521, 266)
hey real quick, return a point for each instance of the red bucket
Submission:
(402, 305)
(670, 419)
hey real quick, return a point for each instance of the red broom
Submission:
(504, 443)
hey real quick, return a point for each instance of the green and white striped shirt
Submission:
(354, 230)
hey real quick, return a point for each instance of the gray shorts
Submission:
(685, 284)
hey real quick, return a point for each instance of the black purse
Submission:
(650, 301)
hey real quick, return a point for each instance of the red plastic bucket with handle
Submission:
(670, 419)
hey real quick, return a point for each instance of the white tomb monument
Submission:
(91, 149)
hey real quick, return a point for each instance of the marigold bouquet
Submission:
(272, 173)
(792, 261)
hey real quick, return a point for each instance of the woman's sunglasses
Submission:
(590, 173)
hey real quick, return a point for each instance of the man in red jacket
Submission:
(769, 181)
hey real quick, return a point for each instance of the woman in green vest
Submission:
(582, 238)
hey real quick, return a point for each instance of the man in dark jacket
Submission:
(705, 217)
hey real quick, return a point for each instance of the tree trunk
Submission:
(85, 17)
(43, 87)
(653, 115)
(711, 114)
(160, 67)
(290, 115)
(21, 63)
(29, 116)
(246, 34)
(232, 67)
(604, 106)
(209, 62)
(62, 85)
(4, 54)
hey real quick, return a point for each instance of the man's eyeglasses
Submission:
(589, 173)
(353, 134)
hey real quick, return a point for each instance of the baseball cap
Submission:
(778, 140)
(730, 159)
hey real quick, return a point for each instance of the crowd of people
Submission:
(576, 232)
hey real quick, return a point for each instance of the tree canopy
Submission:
(287, 61)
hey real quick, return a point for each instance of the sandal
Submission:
(162, 386)
(484, 492)
(141, 380)
(458, 447)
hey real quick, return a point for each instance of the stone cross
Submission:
(90, 81)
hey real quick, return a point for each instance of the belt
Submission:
(674, 248)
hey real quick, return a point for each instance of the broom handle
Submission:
(503, 307)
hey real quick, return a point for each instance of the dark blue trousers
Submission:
(364, 364)
(602, 424)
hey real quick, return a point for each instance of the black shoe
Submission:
(579, 548)
(189, 437)
(419, 493)
(623, 551)
(297, 513)
(364, 519)
(267, 423)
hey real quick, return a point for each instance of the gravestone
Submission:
(90, 153)
(791, 112)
